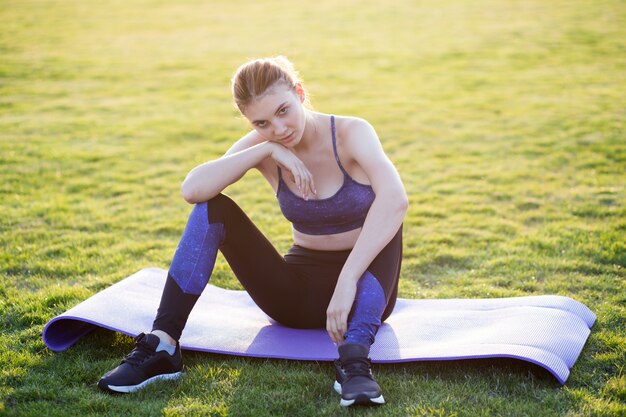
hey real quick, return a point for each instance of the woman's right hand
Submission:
(298, 172)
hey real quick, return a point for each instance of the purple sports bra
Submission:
(344, 211)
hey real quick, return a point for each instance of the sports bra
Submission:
(342, 212)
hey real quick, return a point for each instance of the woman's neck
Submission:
(312, 132)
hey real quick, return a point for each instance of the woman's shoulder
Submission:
(352, 130)
(349, 123)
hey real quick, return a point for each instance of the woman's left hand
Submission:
(339, 309)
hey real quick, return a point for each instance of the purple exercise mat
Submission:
(549, 331)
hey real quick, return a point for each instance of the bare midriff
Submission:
(336, 241)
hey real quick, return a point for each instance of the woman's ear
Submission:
(300, 92)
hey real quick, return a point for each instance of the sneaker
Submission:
(143, 366)
(355, 381)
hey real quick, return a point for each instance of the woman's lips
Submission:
(288, 138)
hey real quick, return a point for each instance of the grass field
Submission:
(506, 120)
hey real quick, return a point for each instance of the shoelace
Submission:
(141, 352)
(358, 367)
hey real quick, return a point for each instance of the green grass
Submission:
(506, 120)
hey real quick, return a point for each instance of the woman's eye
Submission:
(261, 124)
(283, 110)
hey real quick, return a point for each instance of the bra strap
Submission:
(332, 128)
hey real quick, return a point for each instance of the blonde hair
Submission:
(255, 77)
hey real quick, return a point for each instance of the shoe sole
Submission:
(337, 387)
(360, 400)
(133, 388)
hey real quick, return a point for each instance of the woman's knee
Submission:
(219, 207)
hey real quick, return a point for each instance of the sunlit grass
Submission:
(504, 118)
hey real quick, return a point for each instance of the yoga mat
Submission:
(549, 331)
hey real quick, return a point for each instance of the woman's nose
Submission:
(280, 129)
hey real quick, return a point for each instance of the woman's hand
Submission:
(339, 309)
(300, 174)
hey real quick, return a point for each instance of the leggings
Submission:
(294, 290)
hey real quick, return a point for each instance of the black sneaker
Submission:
(143, 366)
(355, 381)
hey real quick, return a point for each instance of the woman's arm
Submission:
(381, 224)
(210, 178)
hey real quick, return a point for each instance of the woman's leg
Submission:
(375, 298)
(377, 290)
(221, 224)
(218, 223)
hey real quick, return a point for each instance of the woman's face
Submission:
(278, 115)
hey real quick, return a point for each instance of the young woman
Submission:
(346, 202)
